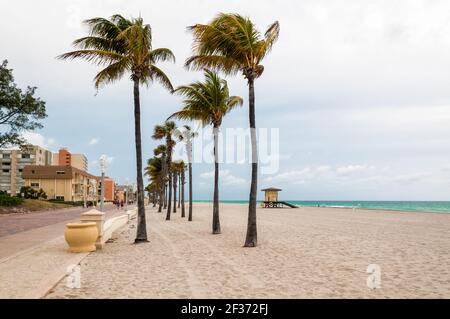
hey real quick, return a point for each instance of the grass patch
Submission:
(32, 205)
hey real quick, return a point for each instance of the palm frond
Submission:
(98, 57)
(161, 55)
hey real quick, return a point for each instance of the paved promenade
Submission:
(32, 261)
(15, 223)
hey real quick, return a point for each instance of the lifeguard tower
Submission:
(271, 199)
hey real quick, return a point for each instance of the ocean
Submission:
(413, 206)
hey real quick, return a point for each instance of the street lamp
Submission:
(103, 164)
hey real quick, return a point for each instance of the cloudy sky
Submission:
(359, 92)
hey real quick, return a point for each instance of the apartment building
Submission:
(65, 158)
(13, 162)
(110, 186)
(62, 182)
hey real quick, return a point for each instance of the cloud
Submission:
(225, 178)
(38, 139)
(94, 141)
(356, 174)
(352, 169)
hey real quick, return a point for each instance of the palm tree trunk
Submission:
(179, 190)
(251, 237)
(183, 213)
(190, 192)
(216, 220)
(175, 178)
(169, 174)
(161, 198)
(169, 199)
(165, 196)
(141, 234)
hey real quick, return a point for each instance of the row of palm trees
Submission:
(158, 171)
(229, 44)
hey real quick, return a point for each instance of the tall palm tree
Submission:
(174, 170)
(161, 151)
(124, 46)
(209, 102)
(231, 43)
(182, 183)
(179, 169)
(187, 135)
(160, 132)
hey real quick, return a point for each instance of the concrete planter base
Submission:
(81, 237)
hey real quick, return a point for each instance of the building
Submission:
(109, 189)
(13, 162)
(65, 158)
(120, 193)
(65, 183)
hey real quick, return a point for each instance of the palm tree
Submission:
(209, 102)
(154, 170)
(174, 170)
(161, 151)
(187, 135)
(179, 169)
(231, 43)
(165, 132)
(125, 46)
(182, 183)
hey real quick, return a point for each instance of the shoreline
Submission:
(333, 207)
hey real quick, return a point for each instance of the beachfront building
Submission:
(65, 158)
(110, 189)
(120, 193)
(13, 162)
(65, 183)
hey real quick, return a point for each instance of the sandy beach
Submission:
(302, 253)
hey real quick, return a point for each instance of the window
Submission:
(6, 155)
(34, 184)
(33, 171)
(7, 164)
(20, 170)
(6, 171)
(60, 198)
(26, 155)
(60, 173)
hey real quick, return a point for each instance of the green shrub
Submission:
(6, 200)
(30, 193)
(78, 203)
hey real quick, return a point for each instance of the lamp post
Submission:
(103, 163)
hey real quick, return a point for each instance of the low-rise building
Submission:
(65, 183)
(13, 162)
(120, 193)
(109, 188)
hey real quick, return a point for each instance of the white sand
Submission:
(302, 253)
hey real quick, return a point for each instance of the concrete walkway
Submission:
(33, 261)
(15, 223)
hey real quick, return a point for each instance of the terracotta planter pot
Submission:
(81, 237)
